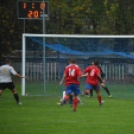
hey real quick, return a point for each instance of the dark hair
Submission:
(72, 60)
(7, 60)
(96, 63)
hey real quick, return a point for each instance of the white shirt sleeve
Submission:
(13, 71)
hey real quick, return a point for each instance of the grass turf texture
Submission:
(41, 115)
(120, 90)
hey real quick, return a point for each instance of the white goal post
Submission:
(24, 35)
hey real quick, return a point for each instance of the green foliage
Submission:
(67, 17)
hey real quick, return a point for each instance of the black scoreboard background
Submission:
(32, 10)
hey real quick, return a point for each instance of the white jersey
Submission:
(5, 73)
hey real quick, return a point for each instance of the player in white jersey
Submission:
(6, 79)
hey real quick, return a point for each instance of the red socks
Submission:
(75, 101)
(99, 98)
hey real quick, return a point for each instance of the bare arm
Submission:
(63, 78)
(100, 78)
(84, 75)
(18, 75)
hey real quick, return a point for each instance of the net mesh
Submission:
(116, 56)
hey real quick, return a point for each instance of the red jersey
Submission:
(93, 73)
(72, 72)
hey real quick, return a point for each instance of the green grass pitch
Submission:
(41, 115)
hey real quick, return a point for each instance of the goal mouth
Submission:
(44, 57)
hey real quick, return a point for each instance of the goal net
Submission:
(45, 56)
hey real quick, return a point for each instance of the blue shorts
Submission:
(89, 87)
(73, 88)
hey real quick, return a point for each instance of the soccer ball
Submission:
(27, 94)
(66, 97)
(87, 92)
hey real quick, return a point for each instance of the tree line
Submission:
(108, 17)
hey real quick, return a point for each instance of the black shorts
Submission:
(9, 85)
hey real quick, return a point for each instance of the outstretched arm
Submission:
(84, 75)
(18, 75)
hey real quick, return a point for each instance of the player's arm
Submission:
(101, 71)
(63, 78)
(79, 75)
(84, 74)
(18, 75)
(100, 79)
(99, 76)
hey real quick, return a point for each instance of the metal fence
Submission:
(113, 72)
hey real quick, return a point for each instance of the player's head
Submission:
(72, 60)
(92, 63)
(96, 63)
(8, 61)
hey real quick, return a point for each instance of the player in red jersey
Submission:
(72, 73)
(92, 81)
(102, 84)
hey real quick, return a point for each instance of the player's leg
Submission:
(103, 85)
(79, 99)
(75, 102)
(62, 100)
(2, 88)
(69, 93)
(76, 92)
(71, 99)
(16, 96)
(86, 91)
(99, 97)
(91, 92)
(11, 86)
(1, 91)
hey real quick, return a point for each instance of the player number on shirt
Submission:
(4, 71)
(71, 72)
(92, 72)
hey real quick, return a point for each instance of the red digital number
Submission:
(24, 5)
(33, 14)
(42, 6)
(33, 5)
(30, 14)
